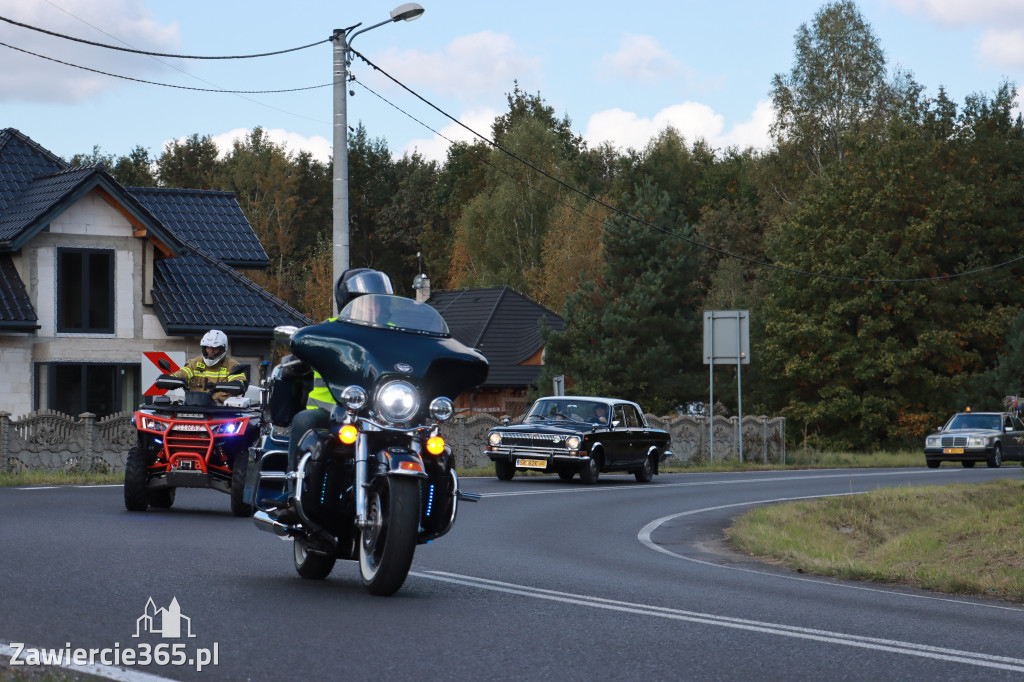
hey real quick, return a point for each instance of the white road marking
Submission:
(825, 636)
(106, 671)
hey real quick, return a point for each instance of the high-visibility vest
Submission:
(320, 396)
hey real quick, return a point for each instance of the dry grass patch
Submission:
(962, 539)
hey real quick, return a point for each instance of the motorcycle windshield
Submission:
(368, 343)
(380, 310)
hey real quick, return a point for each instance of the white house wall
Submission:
(89, 223)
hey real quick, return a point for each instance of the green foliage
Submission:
(870, 363)
(191, 164)
(632, 333)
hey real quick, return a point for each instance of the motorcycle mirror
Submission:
(284, 333)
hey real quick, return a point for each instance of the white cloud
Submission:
(126, 23)
(469, 67)
(318, 146)
(1005, 48)
(693, 120)
(965, 12)
(641, 58)
(436, 148)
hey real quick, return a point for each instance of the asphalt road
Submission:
(539, 580)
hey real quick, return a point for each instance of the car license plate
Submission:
(952, 451)
(534, 463)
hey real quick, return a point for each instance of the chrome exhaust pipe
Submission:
(269, 525)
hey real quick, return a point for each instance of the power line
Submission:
(628, 216)
(157, 54)
(164, 85)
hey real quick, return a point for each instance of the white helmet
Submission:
(214, 338)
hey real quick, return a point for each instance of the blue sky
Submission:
(620, 71)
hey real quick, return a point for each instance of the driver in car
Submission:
(212, 367)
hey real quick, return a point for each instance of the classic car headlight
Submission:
(978, 441)
(572, 442)
(397, 401)
(932, 441)
(494, 438)
(442, 409)
(354, 397)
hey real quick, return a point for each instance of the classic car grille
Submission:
(954, 441)
(533, 439)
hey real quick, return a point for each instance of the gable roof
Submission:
(195, 291)
(16, 312)
(502, 324)
(36, 187)
(192, 291)
(211, 219)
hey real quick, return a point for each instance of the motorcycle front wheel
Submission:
(387, 543)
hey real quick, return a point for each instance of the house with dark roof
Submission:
(94, 274)
(505, 326)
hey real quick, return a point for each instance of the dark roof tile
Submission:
(16, 312)
(502, 324)
(212, 220)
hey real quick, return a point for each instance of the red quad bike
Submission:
(190, 444)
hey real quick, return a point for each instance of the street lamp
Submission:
(342, 39)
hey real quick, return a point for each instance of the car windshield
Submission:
(568, 409)
(975, 421)
(380, 310)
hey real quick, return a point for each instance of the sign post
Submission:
(726, 340)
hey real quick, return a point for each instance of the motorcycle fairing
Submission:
(345, 353)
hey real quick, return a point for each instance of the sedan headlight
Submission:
(494, 438)
(572, 442)
(932, 441)
(397, 401)
(978, 441)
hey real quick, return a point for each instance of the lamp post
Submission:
(342, 39)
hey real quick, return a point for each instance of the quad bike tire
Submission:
(135, 498)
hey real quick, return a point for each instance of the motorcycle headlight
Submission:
(354, 397)
(442, 409)
(397, 401)
(494, 438)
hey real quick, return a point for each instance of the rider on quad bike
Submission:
(199, 443)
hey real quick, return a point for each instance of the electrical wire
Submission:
(645, 223)
(165, 85)
(157, 54)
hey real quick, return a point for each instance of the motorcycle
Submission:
(190, 443)
(378, 480)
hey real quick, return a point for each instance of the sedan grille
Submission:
(954, 441)
(533, 439)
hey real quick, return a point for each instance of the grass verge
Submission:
(957, 539)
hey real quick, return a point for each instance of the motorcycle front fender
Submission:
(398, 461)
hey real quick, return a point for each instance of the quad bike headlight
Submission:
(397, 401)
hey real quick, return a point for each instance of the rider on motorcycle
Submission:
(352, 284)
(212, 367)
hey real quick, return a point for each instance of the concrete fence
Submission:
(54, 441)
(764, 438)
(47, 440)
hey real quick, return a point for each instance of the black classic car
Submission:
(569, 435)
(969, 437)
